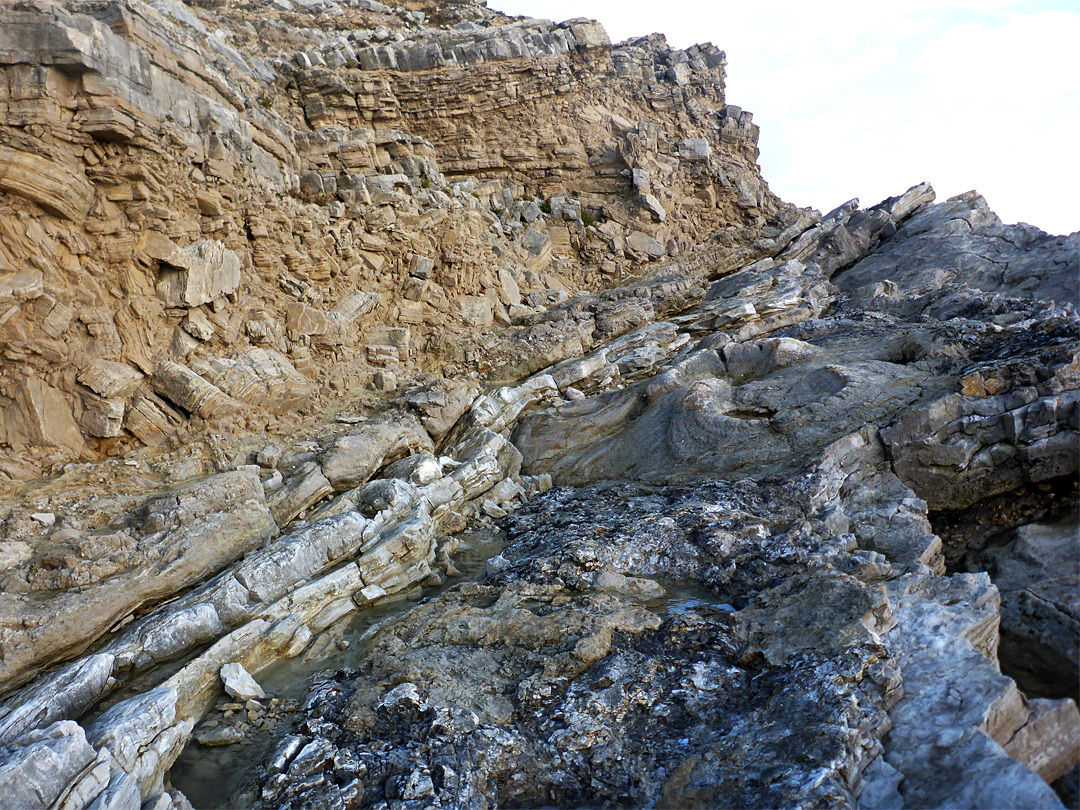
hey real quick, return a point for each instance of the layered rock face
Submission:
(760, 615)
(350, 192)
(295, 299)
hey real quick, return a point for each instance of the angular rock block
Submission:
(41, 415)
(182, 386)
(239, 684)
(193, 275)
(260, 377)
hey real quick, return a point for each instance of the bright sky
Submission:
(857, 101)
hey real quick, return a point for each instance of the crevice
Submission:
(1026, 541)
(969, 535)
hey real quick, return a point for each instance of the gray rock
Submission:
(302, 490)
(37, 772)
(122, 793)
(1038, 575)
(144, 737)
(421, 469)
(656, 208)
(353, 458)
(694, 149)
(961, 241)
(188, 534)
(644, 244)
(72, 690)
(534, 241)
(239, 684)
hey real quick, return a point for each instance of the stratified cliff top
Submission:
(234, 215)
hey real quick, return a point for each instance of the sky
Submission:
(854, 101)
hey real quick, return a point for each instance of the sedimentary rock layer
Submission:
(292, 296)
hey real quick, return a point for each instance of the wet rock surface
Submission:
(582, 672)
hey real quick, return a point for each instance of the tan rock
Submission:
(301, 319)
(151, 420)
(59, 188)
(210, 203)
(1049, 743)
(110, 379)
(261, 377)
(473, 310)
(45, 417)
(509, 291)
(102, 417)
(182, 386)
(108, 125)
(24, 286)
(193, 275)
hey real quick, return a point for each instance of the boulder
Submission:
(473, 310)
(353, 458)
(182, 386)
(262, 378)
(694, 149)
(41, 415)
(239, 684)
(441, 404)
(644, 244)
(198, 274)
(110, 379)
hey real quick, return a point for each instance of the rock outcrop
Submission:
(298, 300)
(184, 186)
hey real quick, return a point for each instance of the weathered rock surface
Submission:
(797, 563)
(1038, 575)
(963, 242)
(299, 204)
(181, 538)
(291, 296)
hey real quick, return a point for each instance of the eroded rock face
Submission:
(963, 241)
(183, 538)
(290, 297)
(959, 425)
(783, 584)
(614, 649)
(298, 203)
(1038, 574)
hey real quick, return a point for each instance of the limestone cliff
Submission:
(305, 303)
(212, 216)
